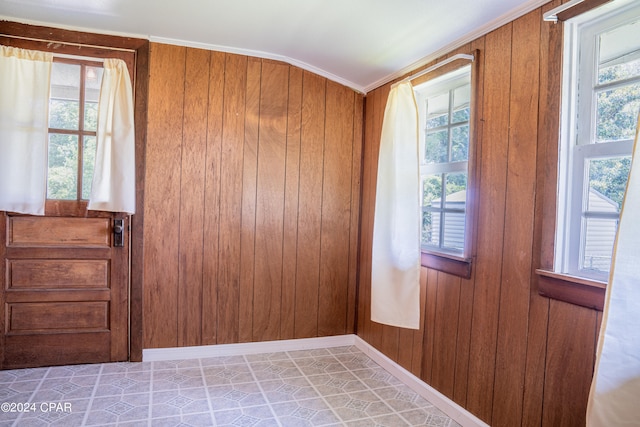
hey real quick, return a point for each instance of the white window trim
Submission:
(570, 182)
(451, 80)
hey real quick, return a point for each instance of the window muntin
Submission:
(602, 100)
(445, 111)
(73, 115)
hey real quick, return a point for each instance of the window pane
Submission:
(93, 80)
(432, 191)
(430, 228)
(617, 113)
(65, 96)
(456, 196)
(438, 111)
(460, 143)
(599, 236)
(607, 183)
(461, 110)
(62, 179)
(88, 162)
(436, 146)
(619, 54)
(454, 223)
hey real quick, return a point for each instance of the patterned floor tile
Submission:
(177, 379)
(391, 420)
(227, 374)
(124, 383)
(338, 386)
(336, 383)
(113, 409)
(286, 389)
(275, 369)
(358, 405)
(376, 377)
(233, 396)
(251, 416)
(310, 412)
(402, 398)
(320, 365)
(65, 388)
(172, 403)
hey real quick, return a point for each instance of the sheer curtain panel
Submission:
(24, 114)
(613, 400)
(395, 275)
(114, 184)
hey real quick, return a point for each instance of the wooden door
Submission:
(65, 293)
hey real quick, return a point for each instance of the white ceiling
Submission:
(359, 43)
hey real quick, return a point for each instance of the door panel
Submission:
(65, 291)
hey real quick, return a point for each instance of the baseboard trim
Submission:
(452, 409)
(442, 402)
(197, 352)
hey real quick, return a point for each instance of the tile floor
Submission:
(337, 386)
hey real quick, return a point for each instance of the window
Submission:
(444, 108)
(600, 109)
(73, 116)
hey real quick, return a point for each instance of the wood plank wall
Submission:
(252, 201)
(491, 343)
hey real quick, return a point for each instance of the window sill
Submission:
(571, 289)
(449, 264)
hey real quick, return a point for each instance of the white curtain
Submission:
(24, 113)
(395, 275)
(113, 187)
(615, 391)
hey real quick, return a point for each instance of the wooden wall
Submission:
(252, 193)
(492, 343)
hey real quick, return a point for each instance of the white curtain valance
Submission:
(395, 274)
(24, 124)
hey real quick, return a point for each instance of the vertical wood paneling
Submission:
(249, 194)
(292, 180)
(446, 328)
(212, 199)
(310, 205)
(354, 227)
(568, 372)
(549, 113)
(270, 202)
(429, 324)
(379, 332)
(336, 210)
(519, 358)
(231, 198)
(519, 209)
(162, 195)
(493, 163)
(192, 184)
(236, 249)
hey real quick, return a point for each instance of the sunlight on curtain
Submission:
(24, 122)
(114, 182)
(395, 275)
(615, 389)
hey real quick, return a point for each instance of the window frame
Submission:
(461, 264)
(577, 145)
(550, 283)
(81, 133)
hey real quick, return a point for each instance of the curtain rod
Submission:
(572, 9)
(13, 36)
(438, 65)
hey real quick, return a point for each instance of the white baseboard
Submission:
(442, 402)
(198, 352)
(452, 409)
